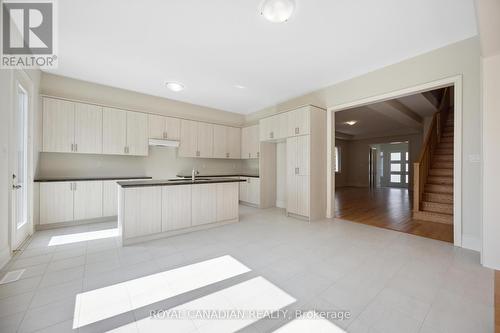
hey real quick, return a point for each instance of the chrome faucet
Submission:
(194, 172)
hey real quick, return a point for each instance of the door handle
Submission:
(16, 187)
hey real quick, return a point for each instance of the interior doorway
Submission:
(385, 195)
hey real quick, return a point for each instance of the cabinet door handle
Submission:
(72, 147)
(71, 186)
(227, 155)
(125, 149)
(296, 171)
(296, 130)
(74, 186)
(248, 155)
(76, 146)
(271, 135)
(258, 154)
(197, 153)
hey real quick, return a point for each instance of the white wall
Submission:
(491, 161)
(462, 58)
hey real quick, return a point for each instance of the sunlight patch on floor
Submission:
(225, 311)
(107, 302)
(83, 237)
(310, 322)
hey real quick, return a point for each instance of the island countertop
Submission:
(173, 182)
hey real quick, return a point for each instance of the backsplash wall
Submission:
(162, 163)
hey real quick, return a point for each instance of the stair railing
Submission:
(423, 165)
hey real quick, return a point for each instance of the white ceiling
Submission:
(211, 46)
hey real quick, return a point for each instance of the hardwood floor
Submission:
(388, 208)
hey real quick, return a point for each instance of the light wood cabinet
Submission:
(161, 127)
(70, 127)
(227, 201)
(226, 142)
(298, 121)
(114, 131)
(189, 139)
(87, 200)
(58, 125)
(88, 129)
(250, 143)
(137, 134)
(56, 202)
(204, 204)
(274, 127)
(298, 155)
(176, 207)
(124, 132)
(205, 140)
(109, 198)
(233, 142)
(142, 211)
(249, 190)
(220, 142)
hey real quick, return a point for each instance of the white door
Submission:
(21, 222)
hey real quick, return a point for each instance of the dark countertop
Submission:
(69, 179)
(253, 175)
(170, 182)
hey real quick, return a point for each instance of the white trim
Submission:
(471, 243)
(456, 81)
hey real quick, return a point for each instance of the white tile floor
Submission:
(389, 281)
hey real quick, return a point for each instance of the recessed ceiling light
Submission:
(351, 122)
(277, 11)
(239, 86)
(175, 86)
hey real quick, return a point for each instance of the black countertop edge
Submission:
(45, 180)
(147, 183)
(227, 175)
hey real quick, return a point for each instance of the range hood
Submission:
(163, 143)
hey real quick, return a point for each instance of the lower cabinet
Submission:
(176, 207)
(56, 202)
(142, 211)
(250, 190)
(227, 206)
(87, 200)
(204, 204)
(68, 201)
(298, 195)
(109, 198)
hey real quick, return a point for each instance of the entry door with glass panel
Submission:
(399, 168)
(21, 227)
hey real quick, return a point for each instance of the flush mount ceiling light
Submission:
(239, 86)
(277, 11)
(351, 122)
(174, 86)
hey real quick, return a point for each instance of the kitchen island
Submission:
(153, 209)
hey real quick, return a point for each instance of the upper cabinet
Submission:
(298, 121)
(161, 127)
(205, 140)
(274, 127)
(227, 142)
(70, 127)
(197, 139)
(250, 143)
(125, 132)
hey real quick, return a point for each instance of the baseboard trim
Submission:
(141, 239)
(5, 256)
(40, 227)
(471, 243)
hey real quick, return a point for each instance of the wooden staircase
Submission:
(433, 173)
